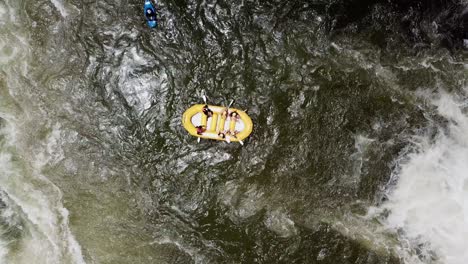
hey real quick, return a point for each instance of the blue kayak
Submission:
(150, 14)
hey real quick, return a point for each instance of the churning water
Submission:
(358, 155)
(428, 203)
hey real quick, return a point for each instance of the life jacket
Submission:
(207, 111)
(200, 130)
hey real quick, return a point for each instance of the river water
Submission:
(358, 153)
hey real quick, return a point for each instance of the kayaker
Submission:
(150, 15)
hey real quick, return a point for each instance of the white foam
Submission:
(12, 49)
(6, 14)
(60, 7)
(280, 223)
(361, 143)
(430, 200)
(36, 200)
(194, 253)
(39, 202)
(243, 203)
(139, 88)
(3, 12)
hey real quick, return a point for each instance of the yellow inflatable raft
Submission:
(227, 124)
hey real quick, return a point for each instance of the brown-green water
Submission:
(97, 168)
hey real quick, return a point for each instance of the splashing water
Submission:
(33, 220)
(429, 203)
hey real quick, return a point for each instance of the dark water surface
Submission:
(97, 167)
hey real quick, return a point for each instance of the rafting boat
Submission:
(217, 122)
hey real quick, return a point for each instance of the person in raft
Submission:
(207, 111)
(200, 130)
(225, 113)
(222, 135)
(234, 116)
(228, 136)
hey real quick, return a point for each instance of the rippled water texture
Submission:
(357, 155)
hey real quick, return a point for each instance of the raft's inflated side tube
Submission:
(235, 130)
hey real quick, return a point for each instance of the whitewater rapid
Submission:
(34, 225)
(428, 206)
